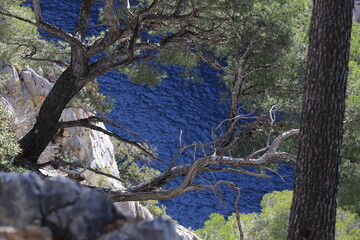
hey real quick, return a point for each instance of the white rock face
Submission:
(23, 96)
(134, 210)
(37, 86)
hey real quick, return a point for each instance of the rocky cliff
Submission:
(22, 95)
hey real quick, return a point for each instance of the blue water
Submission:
(160, 113)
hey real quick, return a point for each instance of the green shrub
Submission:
(272, 222)
(9, 147)
(132, 174)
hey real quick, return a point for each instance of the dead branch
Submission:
(152, 189)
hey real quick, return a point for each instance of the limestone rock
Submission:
(69, 210)
(37, 86)
(134, 210)
(157, 229)
(59, 208)
(23, 96)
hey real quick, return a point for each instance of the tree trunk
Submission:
(36, 140)
(313, 211)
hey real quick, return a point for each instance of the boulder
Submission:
(68, 209)
(59, 208)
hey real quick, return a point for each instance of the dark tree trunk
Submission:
(313, 211)
(36, 140)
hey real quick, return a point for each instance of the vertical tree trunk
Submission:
(313, 209)
(36, 140)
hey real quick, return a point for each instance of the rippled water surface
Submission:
(159, 113)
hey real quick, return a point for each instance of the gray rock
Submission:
(63, 209)
(134, 210)
(19, 200)
(158, 229)
(69, 210)
(36, 85)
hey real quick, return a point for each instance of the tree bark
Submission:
(36, 140)
(313, 211)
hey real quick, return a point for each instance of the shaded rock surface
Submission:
(59, 208)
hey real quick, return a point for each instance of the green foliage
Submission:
(12, 28)
(217, 228)
(9, 147)
(353, 101)
(265, 46)
(265, 41)
(272, 222)
(347, 225)
(132, 174)
(144, 73)
(349, 191)
(20, 42)
(154, 208)
(92, 100)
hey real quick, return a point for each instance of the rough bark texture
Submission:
(36, 140)
(314, 205)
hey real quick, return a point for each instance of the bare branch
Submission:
(151, 189)
(233, 170)
(83, 20)
(40, 23)
(236, 208)
(275, 144)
